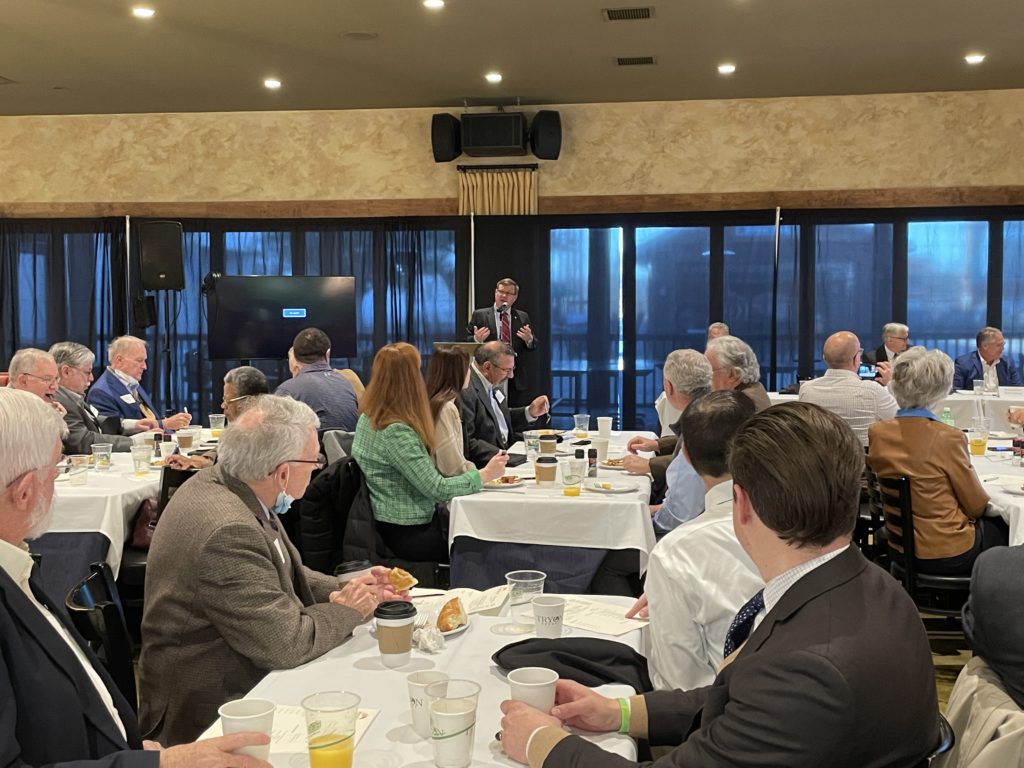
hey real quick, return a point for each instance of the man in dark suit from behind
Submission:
(489, 424)
(500, 322)
(828, 665)
(60, 707)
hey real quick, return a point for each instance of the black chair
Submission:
(95, 610)
(131, 577)
(942, 595)
(869, 533)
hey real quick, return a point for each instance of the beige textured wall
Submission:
(932, 140)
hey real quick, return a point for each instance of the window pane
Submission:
(586, 323)
(749, 258)
(257, 253)
(33, 253)
(947, 283)
(852, 283)
(1013, 289)
(672, 276)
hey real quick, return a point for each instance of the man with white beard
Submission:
(60, 706)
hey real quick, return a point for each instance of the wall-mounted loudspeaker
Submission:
(160, 256)
(546, 134)
(445, 137)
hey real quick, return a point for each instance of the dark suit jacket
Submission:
(50, 714)
(483, 436)
(838, 674)
(86, 428)
(968, 368)
(992, 615)
(486, 316)
(873, 358)
(107, 393)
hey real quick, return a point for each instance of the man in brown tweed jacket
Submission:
(227, 598)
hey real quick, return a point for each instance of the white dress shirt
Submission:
(991, 374)
(858, 402)
(17, 563)
(698, 577)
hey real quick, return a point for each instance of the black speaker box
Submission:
(144, 312)
(445, 137)
(546, 134)
(494, 134)
(160, 256)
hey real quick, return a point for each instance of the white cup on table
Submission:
(604, 426)
(534, 686)
(248, 716)
(548, 611)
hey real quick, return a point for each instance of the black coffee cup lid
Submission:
(395, 609)
(350, 566)
(547, 460)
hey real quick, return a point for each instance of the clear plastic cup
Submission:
(581, 424)
(101, 456)
(331, 728)
(523, 587)
(216, 424)
(142, 457)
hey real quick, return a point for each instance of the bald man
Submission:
(858, 402)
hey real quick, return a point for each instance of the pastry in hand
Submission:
(401, 580)
(452, 615)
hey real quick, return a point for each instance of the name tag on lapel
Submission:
(128, 399)
(499, 396)
(280, 552)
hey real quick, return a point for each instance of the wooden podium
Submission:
(468, 347)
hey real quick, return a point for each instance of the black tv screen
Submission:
(256, 317)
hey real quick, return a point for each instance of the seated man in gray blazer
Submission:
(85, 424)
(490, 425)
(828, 665)
(227, 597)
(60, 707)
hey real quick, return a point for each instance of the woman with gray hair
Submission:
(227, 596)
(734, 366)
(948, 499)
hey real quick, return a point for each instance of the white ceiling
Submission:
(93, 56)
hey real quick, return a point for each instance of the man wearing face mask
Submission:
(227, 598)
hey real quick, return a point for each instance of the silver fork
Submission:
(422, 619)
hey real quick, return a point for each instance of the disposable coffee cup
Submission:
(604, 426)
(534, 686)
(548, 444)
(352, 569)
(248, 716)
(545, 470)
(419, 704)
(601, 445)
(548, 612)
(395, 620)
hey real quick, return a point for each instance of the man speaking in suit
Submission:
(828, 665)
(490, 425)
(60, 707)
(501, 322)
(117, 392)
(85, 424)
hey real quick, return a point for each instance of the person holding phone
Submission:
(859, 402)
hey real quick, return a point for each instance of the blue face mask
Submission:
(283, 504)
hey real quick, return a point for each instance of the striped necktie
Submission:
(506, 327)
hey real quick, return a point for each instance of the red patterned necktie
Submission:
(506, 327)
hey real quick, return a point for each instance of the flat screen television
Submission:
(256, 317)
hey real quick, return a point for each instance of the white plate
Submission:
(493, 486)
(615, 488)
(1012, 487)
(613, 468)
(458, 630)
(1002, 435)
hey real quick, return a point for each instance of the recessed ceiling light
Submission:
(974, 58)
(493, 77)
(726, 69)
(143, 12)
(434, 5)
(272, 83)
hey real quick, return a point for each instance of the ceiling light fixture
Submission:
(142, 12)
(726, 69)
(434, 5)
(272, 83)
(974, 58)
(493, 77)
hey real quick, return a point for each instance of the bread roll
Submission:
(452, 615)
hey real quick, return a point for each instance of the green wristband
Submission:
(623, 715)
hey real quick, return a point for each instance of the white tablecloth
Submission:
(105, 505)
(997, 472)
(535, 515)
(390, 741)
